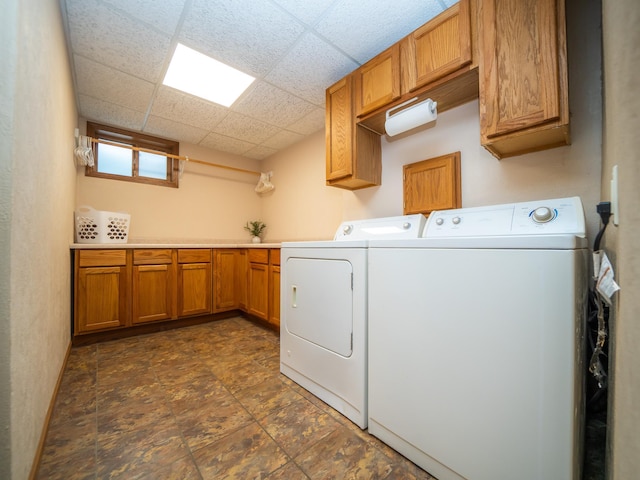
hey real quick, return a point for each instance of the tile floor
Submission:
(204, 402)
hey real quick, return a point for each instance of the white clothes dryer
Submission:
(323, 311)
(476, 337)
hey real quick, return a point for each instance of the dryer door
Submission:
(319, 302)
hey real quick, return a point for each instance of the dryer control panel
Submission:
(555, 216)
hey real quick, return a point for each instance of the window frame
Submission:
(139, 140)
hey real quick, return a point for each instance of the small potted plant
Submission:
(255, 228)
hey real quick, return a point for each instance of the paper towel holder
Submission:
(411, 117)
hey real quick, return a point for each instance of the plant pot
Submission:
(256, 240)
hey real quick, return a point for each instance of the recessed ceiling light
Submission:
(200, 75)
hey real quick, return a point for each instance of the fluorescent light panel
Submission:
(200, 75)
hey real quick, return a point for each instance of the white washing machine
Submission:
(323, 311)
(476, 342)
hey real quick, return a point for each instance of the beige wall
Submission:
(211, 203)
(37, 142)
(621, 39)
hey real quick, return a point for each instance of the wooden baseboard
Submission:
(47, 419)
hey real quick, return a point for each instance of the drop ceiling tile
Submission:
(112, 38)
(240, 126)
(260, 152)
(180, 132)
(309, 68)
(219, 142)
(307, 12)
(382, 24)
(248, 35)
(110, 85)
(183, 108)
(161, 15)
(283, 139)
(100, 111)
(272, 105)
(310, 123)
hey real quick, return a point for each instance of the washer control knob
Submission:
(347, 229)
(542, 215)
(439, 221)
(406, 225)
(456, 220)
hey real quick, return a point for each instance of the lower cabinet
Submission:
(274, 287)
(258, 283)
(120, 288)
(227, 276)
(102, 285)
(153, 285)
(194, 282)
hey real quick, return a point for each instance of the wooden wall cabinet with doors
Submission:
(353, 152)
(524, 100)
(438, 61)
(102, 285)
(228, 280)
(194, 282)
(153, 285)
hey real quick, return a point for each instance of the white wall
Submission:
(560, 172)
(37, 139)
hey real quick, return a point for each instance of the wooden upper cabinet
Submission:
(354, 153)
(438, 48)
(524, 104)
(377, 82)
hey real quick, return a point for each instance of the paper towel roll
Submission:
(411, 117)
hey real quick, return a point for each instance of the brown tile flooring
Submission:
(204, 402)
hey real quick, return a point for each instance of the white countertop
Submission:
(180, 244)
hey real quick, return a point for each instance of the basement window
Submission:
(117, 160)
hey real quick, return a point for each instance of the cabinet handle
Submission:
(294, 296)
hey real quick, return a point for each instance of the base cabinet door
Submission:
(258, 283)
(194, 282)
(102, 290)
(274, 295)
(225, 283)
(153, 285)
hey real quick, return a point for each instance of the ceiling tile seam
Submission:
(124, 13)
(172, 46)
(111, 67)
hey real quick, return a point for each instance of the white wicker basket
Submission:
(96, 226)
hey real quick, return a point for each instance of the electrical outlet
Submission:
(614, 195)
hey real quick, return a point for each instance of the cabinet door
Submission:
(242, 278)
(258, 291)
(194, 289)
(438, 48)
(346, 166)
(377, 82)
(523, 81)
(432, 184)
(101, 298)
(339, 130)
(274, 295)
(225, 282)
(152, 293)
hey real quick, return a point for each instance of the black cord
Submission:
(604, 210)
